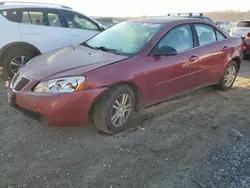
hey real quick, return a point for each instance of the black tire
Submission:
(11, 54)
(103, 109)
(246, 57)
(222, 86)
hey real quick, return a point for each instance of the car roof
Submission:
(245, 20)
(168, 19)
(16, 5)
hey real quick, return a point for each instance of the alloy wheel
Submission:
(230, 76)
(121, 110)
(17, 62)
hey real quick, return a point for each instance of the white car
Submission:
(31, 29)
(226, 26)
(241, 29)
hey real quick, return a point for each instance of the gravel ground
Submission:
(201, 139)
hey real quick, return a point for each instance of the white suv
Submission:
(30, 29)
(227, 26)
(241, 29)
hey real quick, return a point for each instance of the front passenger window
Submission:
(205, 33)
(78, 21)
(54, 20)
(220, 36)
(179, 38)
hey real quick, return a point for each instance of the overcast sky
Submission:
(147, 7)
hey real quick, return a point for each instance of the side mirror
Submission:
(164, 50)
(101, 28)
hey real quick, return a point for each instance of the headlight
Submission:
(62, 85)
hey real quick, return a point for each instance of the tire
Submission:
(222, 84)
(104, 110)
(14, 53)
(246, 57)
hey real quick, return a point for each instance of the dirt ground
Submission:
(201, 139)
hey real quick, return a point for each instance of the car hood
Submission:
(69, 61)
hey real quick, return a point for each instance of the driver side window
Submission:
(78, 21)
(179, 38)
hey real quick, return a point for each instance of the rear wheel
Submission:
(15, 59)
(228, 77)
(114, 110)
(246, 57)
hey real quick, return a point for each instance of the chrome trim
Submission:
(202, 46)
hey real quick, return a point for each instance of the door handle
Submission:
(75, 35)
(193, 58)
(31, 33)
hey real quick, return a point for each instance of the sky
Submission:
(120, 8)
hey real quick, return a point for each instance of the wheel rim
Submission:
(17, 62)
(230, 76)
(121, 110)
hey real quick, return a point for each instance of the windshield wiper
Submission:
(102, 48)
(92, 47)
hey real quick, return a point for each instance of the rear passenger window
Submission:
(46, 18)
(219, 36)
(35, 18)
(205, 33)
(26, 18)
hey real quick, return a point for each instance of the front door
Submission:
(171, 75)
(80, 28)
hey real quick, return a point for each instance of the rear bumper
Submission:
(65, 109)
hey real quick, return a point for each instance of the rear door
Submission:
(43, 28)
(79, 27)
(212, 52)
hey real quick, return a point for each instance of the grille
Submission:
(21, 84)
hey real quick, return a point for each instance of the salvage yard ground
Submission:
(201, 139)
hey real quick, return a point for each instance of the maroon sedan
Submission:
(127, 67)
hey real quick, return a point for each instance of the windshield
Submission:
(243, 24)
(126, 38)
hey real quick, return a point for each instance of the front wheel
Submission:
(15, 59)
(114, 110)
(228, 77)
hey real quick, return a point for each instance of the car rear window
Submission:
(243, 24)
